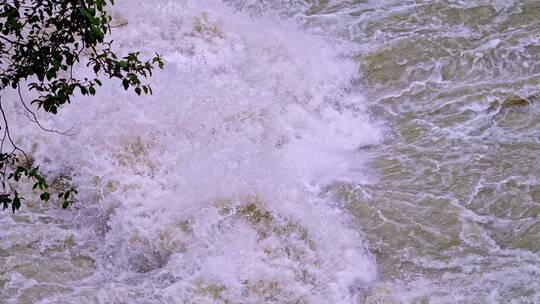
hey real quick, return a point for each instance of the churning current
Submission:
(296, 151)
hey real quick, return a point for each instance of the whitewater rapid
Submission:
(295, 151)
(212, 189)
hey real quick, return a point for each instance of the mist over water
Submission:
(295, 152)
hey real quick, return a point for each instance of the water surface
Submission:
(297, 152)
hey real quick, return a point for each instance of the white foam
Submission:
(247, 111)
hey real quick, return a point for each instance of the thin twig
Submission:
(6, 130)
(35, 120)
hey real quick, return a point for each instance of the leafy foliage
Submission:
(40, 43)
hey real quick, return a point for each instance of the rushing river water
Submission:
(296, 151)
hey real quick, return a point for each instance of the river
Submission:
(300, 151)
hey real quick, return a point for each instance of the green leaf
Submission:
(16, 202)
(87, 13)
(45, 196)
(99, 5)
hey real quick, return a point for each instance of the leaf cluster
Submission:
(18, 172)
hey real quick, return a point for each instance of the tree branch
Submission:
(35, 120)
